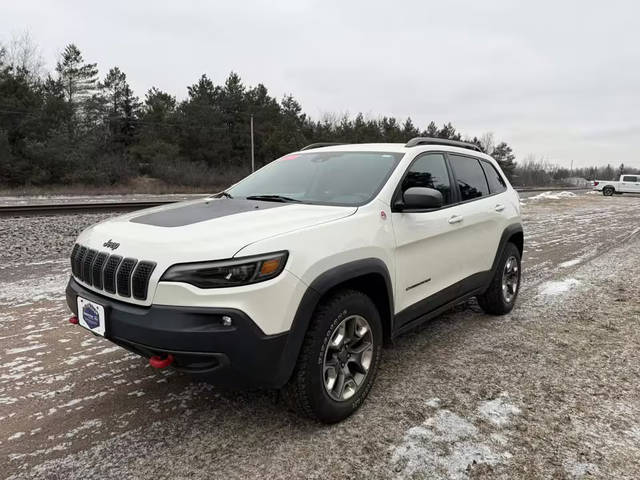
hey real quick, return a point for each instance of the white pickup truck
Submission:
(626, 184)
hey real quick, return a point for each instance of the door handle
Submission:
(455, 219)
(499, 207)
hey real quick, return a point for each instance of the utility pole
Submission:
(253, 161)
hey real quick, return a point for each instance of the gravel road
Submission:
(549, 391)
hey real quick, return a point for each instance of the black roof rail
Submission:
(318, 145)
(414, 142)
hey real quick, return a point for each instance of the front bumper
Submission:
(240, 355)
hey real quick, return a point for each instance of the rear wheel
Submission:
(501, 295)
(608, 191)
(339, 358)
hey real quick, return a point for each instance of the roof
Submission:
(395, 147)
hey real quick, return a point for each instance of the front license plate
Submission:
(91, 316)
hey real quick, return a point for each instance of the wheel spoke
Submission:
(349, 389)
(338, 337)
(338, 389)
(330, 377)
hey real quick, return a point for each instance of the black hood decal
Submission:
(201, 212)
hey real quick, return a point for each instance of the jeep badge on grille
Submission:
(111, 244)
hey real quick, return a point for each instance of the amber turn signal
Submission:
(269, 266)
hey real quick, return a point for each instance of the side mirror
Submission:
(421, 198)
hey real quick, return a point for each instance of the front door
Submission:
(429, 245)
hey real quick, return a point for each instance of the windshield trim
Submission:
(398, 156)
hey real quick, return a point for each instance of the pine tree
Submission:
(79, 79)
(503, 154)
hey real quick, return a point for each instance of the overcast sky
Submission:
(558, 79)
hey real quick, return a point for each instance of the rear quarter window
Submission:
(494, 179)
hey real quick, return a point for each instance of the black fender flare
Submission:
(316, 290)
(507, 234)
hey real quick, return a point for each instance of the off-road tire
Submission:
(608, 191)
(305, 391)
(493, 300)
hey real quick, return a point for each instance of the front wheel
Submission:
(339, 358)
(501, 295)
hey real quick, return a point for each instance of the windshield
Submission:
(327, 178)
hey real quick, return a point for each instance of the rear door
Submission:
(630, 184)
(482, 217)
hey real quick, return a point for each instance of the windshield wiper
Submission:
(223, 194)
(272, 198)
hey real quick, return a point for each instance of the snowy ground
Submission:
(549, 391)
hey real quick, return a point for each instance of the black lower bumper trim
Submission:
(236, 355)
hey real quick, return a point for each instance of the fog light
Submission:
(226, 321)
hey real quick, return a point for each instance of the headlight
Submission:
(228, 273)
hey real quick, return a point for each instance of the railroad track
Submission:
(66, 208)
(88, 207)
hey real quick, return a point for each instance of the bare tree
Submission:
(22, 53)
(488, 143)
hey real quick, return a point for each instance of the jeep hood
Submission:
(205, 229)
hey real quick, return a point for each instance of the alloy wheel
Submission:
(347, 358)
(510, 279)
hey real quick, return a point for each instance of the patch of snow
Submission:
(108, 350)
(570, 263)
(433, 402)
(558, 287)
(581, 469)
(551, 195)
(13, 351)
(498, 411)
(29, 290)
(16, 436)
(442, 447)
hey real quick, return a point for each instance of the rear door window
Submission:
(629, 178)
(430, 171)
(495, 180)
(470, 177)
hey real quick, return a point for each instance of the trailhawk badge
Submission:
(111, 244)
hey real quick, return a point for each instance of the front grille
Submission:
(111, 273)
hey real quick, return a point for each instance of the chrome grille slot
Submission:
(124, 276)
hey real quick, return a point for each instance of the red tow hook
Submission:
(161, 362)
(74, 320)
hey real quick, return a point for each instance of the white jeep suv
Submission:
(294, 277)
